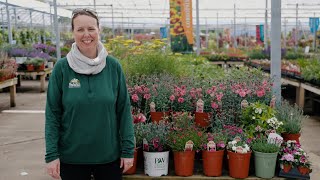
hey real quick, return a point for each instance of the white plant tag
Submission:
(152, 107)
(244, 104)
(200, 105)
(211, 146)
(275, 138)
(237, 139)
(188, 146)
(145, 145)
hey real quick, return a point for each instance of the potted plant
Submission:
(155, 149)
(239, 154)
(258, 119)
(287, 151)
(265, 157)
(138, 120)
(213, 147)
(302, 162)
(292, 117)
(184, 139)
(160, 90)
(29, 63)
(38, 63)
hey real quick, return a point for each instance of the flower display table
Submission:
(12, 84)
(197, 173)
(42, 75)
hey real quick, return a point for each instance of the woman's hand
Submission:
(126, 163)
(53, 169)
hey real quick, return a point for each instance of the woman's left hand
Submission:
(126, 164)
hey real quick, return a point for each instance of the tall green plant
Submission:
(291, 116)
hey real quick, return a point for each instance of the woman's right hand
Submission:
(53, 169)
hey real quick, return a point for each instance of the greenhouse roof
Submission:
(147, 13)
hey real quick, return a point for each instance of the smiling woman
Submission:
(89, 127)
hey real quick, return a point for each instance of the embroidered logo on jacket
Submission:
(74, 83)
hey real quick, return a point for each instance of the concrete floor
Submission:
(22, 146)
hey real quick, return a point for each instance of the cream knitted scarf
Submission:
(84, 65)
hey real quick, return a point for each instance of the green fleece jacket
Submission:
(88, 117)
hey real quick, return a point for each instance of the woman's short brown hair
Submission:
(84, 11)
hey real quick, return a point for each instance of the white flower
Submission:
(244, 150)
(234, 142)
(234, 148)
(253, 117)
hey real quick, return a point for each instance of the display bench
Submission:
(12, 84)
(301, 87)
(42, 75)
(227, 64)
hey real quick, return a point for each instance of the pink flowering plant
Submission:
(154, 136)
(219, 138)
(161, 90)
(182, 130)
(138, 124)
(239, 85)
(302, 159)
(181, 97)
(139, 94)
(292, 153)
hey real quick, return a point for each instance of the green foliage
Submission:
(217, 57)
(291, 116)
(153, 63)
(310, 69)
(156, 135)
(262, 145)
(257, 54)
(293, 55)
(255, 119)
(182, 131)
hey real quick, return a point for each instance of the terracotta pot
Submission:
(133, 169)
(158, 116)
(212, 162)
(30, 67)
(239, 164)
(287, 137)
(184, 163)
(202, 119)
(41, 67)
(287, 168)
(303, 170)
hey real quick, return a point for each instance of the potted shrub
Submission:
(184, 139)
(292, 117)
(213, 147)
(155, 149)
(265, 157)
(239, 154)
